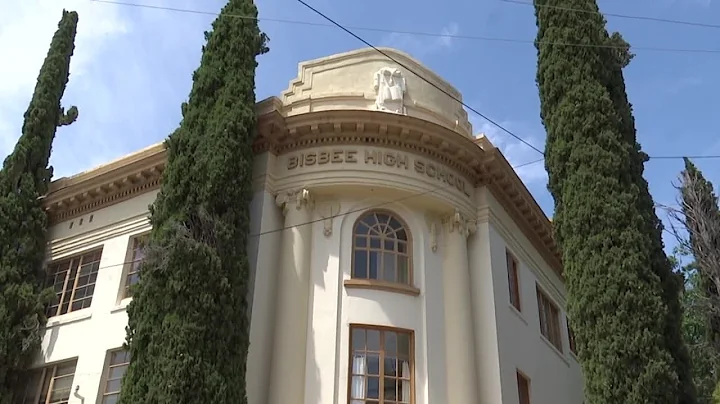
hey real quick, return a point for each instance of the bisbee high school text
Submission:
(378, 157)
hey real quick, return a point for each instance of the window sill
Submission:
(555, 349)
(122, 305)
(518, 313)
(381, 285)
(68, 318)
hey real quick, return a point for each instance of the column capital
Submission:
(457, 222)
(297, 198)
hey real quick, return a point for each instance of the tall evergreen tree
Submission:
(617, 278)
(700, 209)
(671, 282)
(24, 180)
(188, 331)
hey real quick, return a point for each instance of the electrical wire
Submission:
(411, 33)
(616, 15)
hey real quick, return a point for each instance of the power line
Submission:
(411, 33)
(347, 30)
(625, 16)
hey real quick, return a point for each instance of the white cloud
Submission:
(516, 152)
(25, 34)
(418, 46)
(130, 71)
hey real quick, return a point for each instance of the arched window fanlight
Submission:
(381, 244)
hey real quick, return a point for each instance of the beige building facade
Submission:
(402, 257)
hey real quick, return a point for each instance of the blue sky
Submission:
(132, 69)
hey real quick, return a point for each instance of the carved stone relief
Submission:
(390, 87)
(298, 198)
(457, 222)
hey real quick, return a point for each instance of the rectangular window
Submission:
(137, 255)
(381, 365)
(49, 385)
(513, 281)
(571, 337)
(549, 319)
(117, 365)
(523, 388)
(73, 280)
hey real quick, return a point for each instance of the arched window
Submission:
(381, 244)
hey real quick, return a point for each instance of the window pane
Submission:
(373, 340)
(111, 399)
(113, 386)
(373, 387)
(389, 268)
(390, 342)
(374, 265)
(403, 270)
(358, 339)
(360, 241)
(373, 364)
(360, 265)
(403, 345)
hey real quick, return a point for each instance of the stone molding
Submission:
(477, 160)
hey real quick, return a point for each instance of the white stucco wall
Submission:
(89, 334)
(555, 377)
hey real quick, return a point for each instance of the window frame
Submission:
(128, 270)
(38, 389)
(544, 300)
(380, 284)
(522, 377)
(75, 261)
(513, 274)
(382, 351)
(107, 368)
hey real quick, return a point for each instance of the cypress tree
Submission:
(24, 180)
(188, 330)
(615, 276)
(672, 283)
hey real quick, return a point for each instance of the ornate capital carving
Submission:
(328, 210)
(457, 222)
(297, 198)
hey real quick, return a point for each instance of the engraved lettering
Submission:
(420, 167)
(402, 161)
(292, 162)
(310, 159)
(391, 159)
(351, 156)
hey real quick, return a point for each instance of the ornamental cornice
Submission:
(478, 160)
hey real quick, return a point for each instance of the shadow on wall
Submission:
(52, 340)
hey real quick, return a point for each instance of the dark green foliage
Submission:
(24, 179)
(622, 294)
(188, 329)
(671, 282)
(695, 329)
